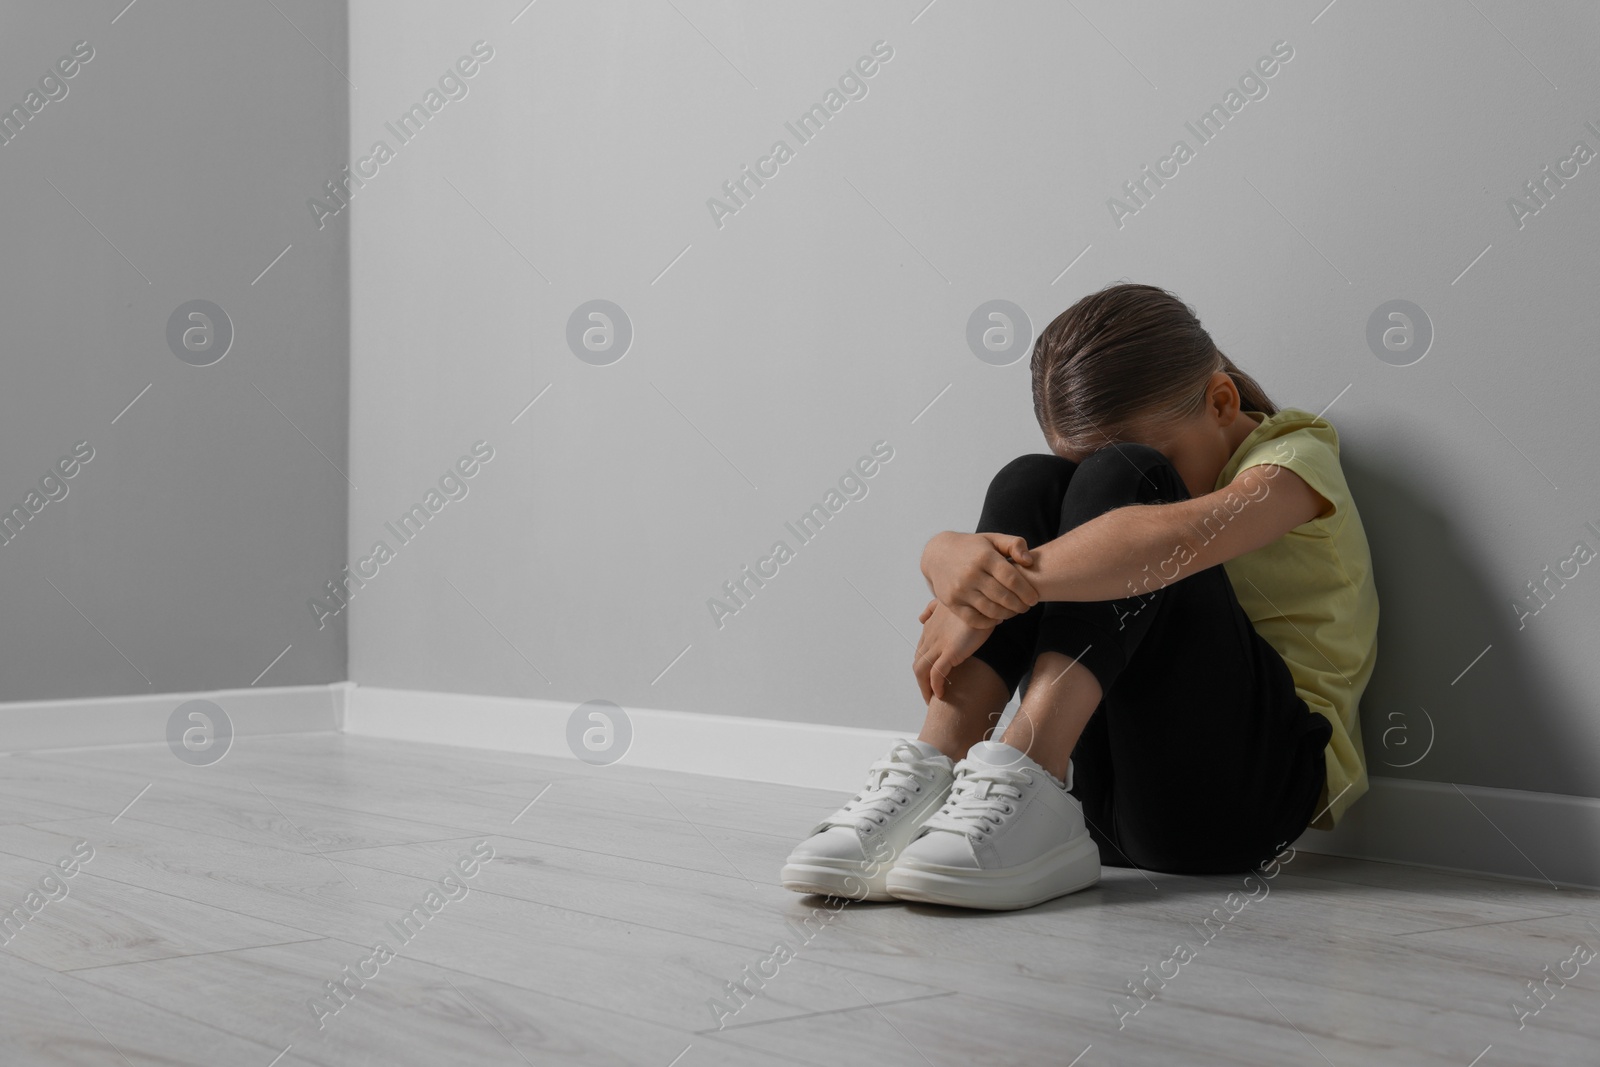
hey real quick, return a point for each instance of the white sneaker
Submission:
(1008, 837)
(849, 853)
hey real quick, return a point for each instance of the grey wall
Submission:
(772, 352)
(176, 167)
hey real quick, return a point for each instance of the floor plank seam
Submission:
(1474, 926)
(827, 1011)
(184, 956)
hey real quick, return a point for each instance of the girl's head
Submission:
(1132, 363)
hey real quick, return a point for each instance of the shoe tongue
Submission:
(927, 750)
(998, 754)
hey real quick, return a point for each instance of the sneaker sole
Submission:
(844, 881)
(1065, 869)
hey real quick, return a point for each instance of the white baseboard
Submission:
(1508, 833)
(124, 720)
(724, 746)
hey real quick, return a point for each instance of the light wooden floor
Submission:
(621, 901)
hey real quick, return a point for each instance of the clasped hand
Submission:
(976, 576)
(977, 585)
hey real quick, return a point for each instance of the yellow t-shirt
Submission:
(1310, 594)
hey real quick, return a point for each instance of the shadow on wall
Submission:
(1421, 718)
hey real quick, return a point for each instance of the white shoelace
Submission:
(979, 800)
(890, 783)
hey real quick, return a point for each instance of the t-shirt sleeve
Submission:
(1312, 452)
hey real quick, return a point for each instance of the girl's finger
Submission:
(972, 616)
(980, 604)
(997, 594)
(998, 613)
(1017, 582)
(1017, 549)
(947, 662)
(1012, 547)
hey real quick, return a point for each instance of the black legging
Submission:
(1201, 757)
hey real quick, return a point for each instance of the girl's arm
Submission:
(1148, 546)
(1139, 548)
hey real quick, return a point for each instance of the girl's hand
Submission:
(946, 642)
(976, 576)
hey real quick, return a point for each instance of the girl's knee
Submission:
(1036, 473)
(1127, 454)
(1129, 471)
